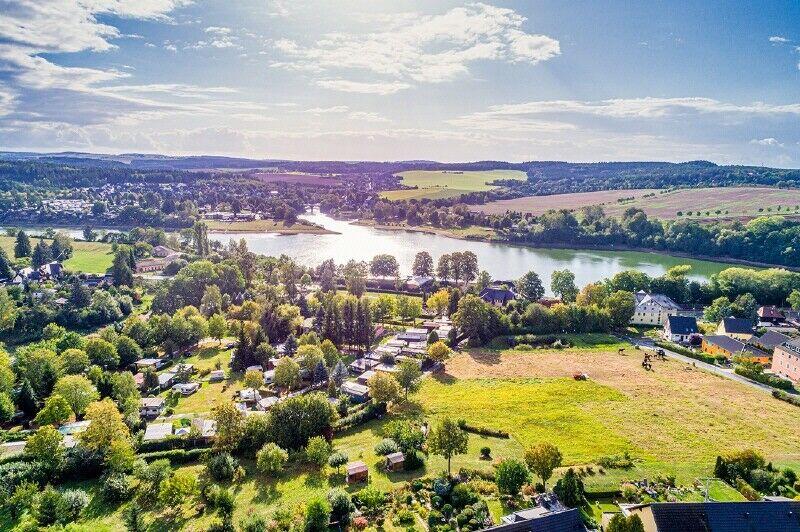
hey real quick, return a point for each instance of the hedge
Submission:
(482, 431)
(169, 443)
(177, 456)
(788, 397)
(370, 412)
(708, 359)
(763, 378)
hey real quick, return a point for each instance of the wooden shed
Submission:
(395, 462)
(357, 472)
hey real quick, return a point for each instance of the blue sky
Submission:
(389, 80)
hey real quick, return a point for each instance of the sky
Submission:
(405, 80)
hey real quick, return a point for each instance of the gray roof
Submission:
(737, 325)
(761, 516)
(725, 342)
(558, 521)
(771, 339)
(682, 324)
(660, 300)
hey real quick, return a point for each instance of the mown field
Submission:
(88, 257)
(672, 420)
(447, 184)
(263, 226)
(702, 203)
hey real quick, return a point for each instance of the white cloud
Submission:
(778, 39)
(382, 88)
(278, 8)
(218, 30)
(425, 48)
(766, 142)
(328, 110)
(365, 116)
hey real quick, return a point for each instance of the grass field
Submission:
(447, 184)
(703, 203)
(264, 226)
(672, 420)
(298, 178)
(88, 257)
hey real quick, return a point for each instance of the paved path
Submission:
(722, 372)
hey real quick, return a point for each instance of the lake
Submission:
(502, 261)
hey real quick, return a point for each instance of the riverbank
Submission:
(266, 226)
(484, 234)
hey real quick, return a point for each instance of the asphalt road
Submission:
(722, 372)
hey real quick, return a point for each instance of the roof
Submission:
(760, 516)
(157, 431)
(558, 521)
(725, 342)
(682, 324)
(147, 402)
(395, 458)
(737, 325)
(353, 388)
(771, 339)
(659, 299)
(495, 293)
(770, 312)
(356, 467)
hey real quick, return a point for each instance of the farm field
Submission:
(447, 184)
(672, 420)
(88, 257)
(702, 203)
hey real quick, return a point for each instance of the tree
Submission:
(530, 287)
(179, 488)
(102, 353)
(133, 517)
(121, 269)
(49, 511)
(409, 376)
(511, 474)
(439, 301)
(56, 410)
(592, 294)
(318, 515)
(77, 391)
(22, 246)
(27, 400)
(41, 254)
(355, 277)
(337, 460)
(287, 373)
(253, 379)
(384, 265)
(562, 284)
(439, 351)
(270, 458)
(217, 326)
(794, 299)
(383, 387)
(318, 450)
(230, 426)
(6, 272)
(423, 264)
(621, 305)
(295, 420)
(47, 447)
(341, 504)
(200, 237)
(409, 307)
(211, 302)
(339, 373)
(444, 268)
(621, 523)
(447, 440)
(8, 311)
(569, 489)
(106, 427)
(720, 308)
(329, 353)
(61, 247)
(542, 459)
(128, 351)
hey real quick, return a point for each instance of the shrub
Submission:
(337, 460)
(222, 467)
(253, 523)
(386, 446)
(789, 398)
(404, 517)
(318, 450)
(271, 458)
(341, 506)
(318, 515)
(764, 378)
(371, 498)
(177, 456)
(483, 431)
(486, 453)
(116, 487)
(616, 461)
(50, 509)
(74, 502)
(463, 495)
(511, 474)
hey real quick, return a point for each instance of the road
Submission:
(722, 372)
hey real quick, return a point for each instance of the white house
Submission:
(679, 329)
(151, 407)
(653, 309)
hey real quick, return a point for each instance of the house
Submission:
(679, 329)
(395, 462)
(653, 309)
(248, 396)
(716, 345)
(770, 314)
(419, 283)
(365, 377)
(549, 515)
(357, 472)
(155, 264)
(357, 392)
(151, 407)
(139, 380)
(769, 340)
(257, 367)
(157, 431)
(267, 402)
(186, 388)
(216, 376)
(163, 251)
(150, 363)
(206, 428)
(758, 516)
(166, 379)
(186, 369)
(269, 376)
(738, 328)
(360, 365)
(786, 360)
(412, 335)
(498, 296)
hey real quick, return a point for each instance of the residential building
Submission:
(151, 407)
(770, 314)
(679, 329)
(549, 515)
(716, 345)
(357, 392)
(157, 431)
(498, 296)
(769, 340)
(759, 516)
(786, 360)
(186, 388)
(653, 309)
(738, 328)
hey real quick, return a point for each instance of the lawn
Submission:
(672, 420)
(88, 257)
(264, 226)
(446, 184)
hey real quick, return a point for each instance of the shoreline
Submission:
(577, 247)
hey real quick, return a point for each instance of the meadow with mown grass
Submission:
(87, 257)
(447, 184)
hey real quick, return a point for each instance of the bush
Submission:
(116, 487)
(177, 456)
(253, 523)
(511, 474)
(360, 415)
(764, 378)
(318, 450)
(386, 446)
(403, 517)
(50, 509)
(789, 398)
(486, 453)
(372, 499)
(688, 352)
(616, 461)
(222, 467)
(337, 460)
(271, 458)
(482, 431)
(341, 506)
(74, 501)
(463, 495)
